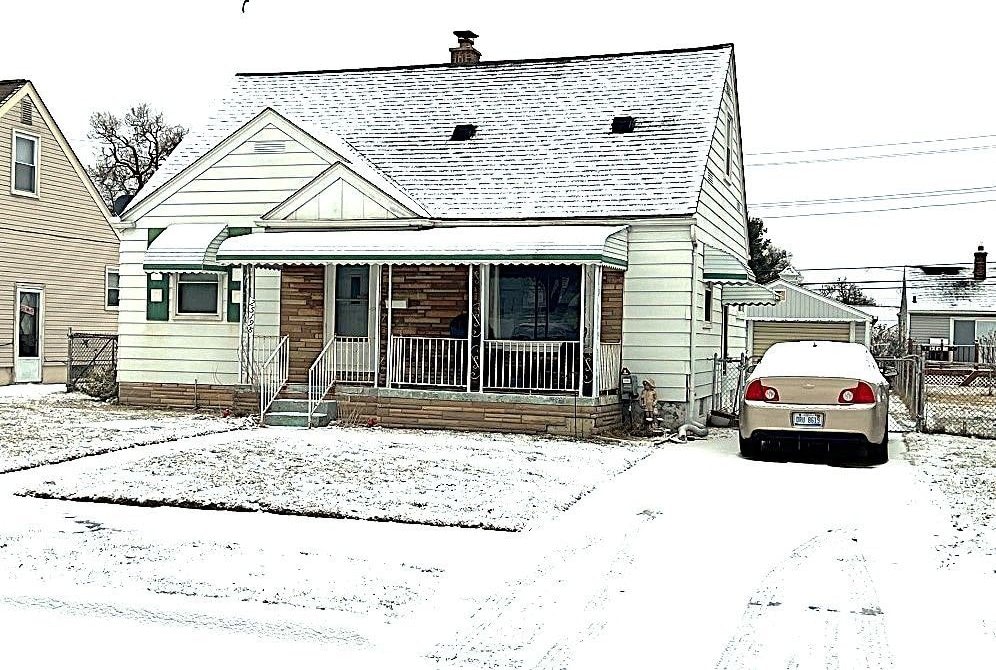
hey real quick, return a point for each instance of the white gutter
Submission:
(690, 391)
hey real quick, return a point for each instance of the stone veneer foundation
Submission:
(241, 400)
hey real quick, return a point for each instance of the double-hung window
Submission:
(112, 290)
(24, 168)
(198, 294)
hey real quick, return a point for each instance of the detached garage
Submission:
(802, 314)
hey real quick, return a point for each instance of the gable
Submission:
(341, 200)
(803, 305)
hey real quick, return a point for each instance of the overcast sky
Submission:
(854, 73)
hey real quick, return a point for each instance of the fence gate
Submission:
(905, 377)
(728, 375)
(92, 363)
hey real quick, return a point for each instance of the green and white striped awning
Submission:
(722, 267)
(513, 245)
(186, 247)
(748, 294)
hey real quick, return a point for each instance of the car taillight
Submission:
(862, 394)
(758, 391)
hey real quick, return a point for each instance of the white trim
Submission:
(801, 319)
(108, 269)
(174, 302)
(14, 134)
(829, 301)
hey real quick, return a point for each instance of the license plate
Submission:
(807, 420)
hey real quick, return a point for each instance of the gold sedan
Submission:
(814, 396)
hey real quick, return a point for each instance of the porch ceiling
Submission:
(571, 244)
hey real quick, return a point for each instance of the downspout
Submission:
(690, 390)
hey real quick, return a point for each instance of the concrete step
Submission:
(301, 405)
(294, 392)
(296, 419)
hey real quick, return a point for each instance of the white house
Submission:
(466, 244)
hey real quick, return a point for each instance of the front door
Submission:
(350, 322)
(28, 340)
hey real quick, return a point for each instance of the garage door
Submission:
(766, 334)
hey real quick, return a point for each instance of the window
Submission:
(112, 291)
(24, 171)
(536, 303)
(197, 293)
(707, 306)
(729, 144)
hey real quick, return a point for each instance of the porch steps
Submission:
(293, 412)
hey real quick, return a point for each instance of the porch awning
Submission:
(186, 247)
(748, 294)
(722, 267)
(567, 244)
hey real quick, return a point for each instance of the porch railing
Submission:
(353, 359)
(273, 375)
(610, 365)
(428, 361)
(959, 353)
(321, 377)
(518, 365)
(263, 347)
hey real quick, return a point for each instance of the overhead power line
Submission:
(872, 198)
(898, 154)
(880, 209)
(871, 146)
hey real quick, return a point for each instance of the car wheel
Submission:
(878, 453)
(750, 448)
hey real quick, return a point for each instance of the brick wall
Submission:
(612, 305)
(436, 294)
(302, 316)
(240, 400)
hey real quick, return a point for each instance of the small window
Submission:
(24, 171)
(729, 144)
(708, 304)
(623, 124)
(464, 132)
(780, 294)
(112, 288)
(197, 293)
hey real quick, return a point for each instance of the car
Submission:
(816, 395)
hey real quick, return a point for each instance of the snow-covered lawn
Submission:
(492, 481)
(41, 424)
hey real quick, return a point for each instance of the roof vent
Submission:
(26, 111)
(464, 132)
(623, 124)
(271, 147)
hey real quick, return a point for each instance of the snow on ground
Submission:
(474, 480)
(41, 424)
(900, 419)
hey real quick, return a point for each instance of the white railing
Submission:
(514, 365)
(273, 375)
(428, 361)
(353, 359)
(321, 377)
(610, 364)
(262, 347)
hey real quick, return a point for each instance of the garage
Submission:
(770, 332)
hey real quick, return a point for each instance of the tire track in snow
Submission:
(816, 609)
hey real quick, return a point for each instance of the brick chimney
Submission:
(980, 263)
(465, 54)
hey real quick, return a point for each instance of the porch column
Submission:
(482, 298)
(248, 313)
(470, 324)
(390, 315)
(376, 347)
(596, 336)
(581, 324)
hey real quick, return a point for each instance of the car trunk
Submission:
(809, 390)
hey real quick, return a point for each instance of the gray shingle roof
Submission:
(543, 146)
(954, 291)
(9, 87)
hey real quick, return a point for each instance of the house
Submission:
(945, 310)
(803, 314)
(467, 244)
(59, 265)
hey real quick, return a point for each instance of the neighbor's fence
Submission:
(92, 363)
(905, 376)
(960, 399)
(728, 375)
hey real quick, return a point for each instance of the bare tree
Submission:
(846, 292)
(766, 260)
(130, 149)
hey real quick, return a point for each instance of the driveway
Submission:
(693, 558)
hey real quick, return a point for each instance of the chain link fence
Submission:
(92, 364)
(960, 399)
(728, 375)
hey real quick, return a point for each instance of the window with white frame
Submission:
(707, 306)
(198, 294)
(729, 144)
(24, 168)
(112, 289)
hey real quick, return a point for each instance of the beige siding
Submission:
(768, 333)
(59, 241)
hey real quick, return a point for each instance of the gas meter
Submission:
(629, 385)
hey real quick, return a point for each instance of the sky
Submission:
(837, 75)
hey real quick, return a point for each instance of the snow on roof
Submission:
(543, 145)
(845, 360)
(9, 87)
(949, 288)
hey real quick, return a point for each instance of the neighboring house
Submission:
(59, 265)
(468, 244)
(802, 314)
(946, 309)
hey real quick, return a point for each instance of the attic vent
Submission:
(709, 177)
(623, 124)
(273, 147)
(26, 111)
(464, 132)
